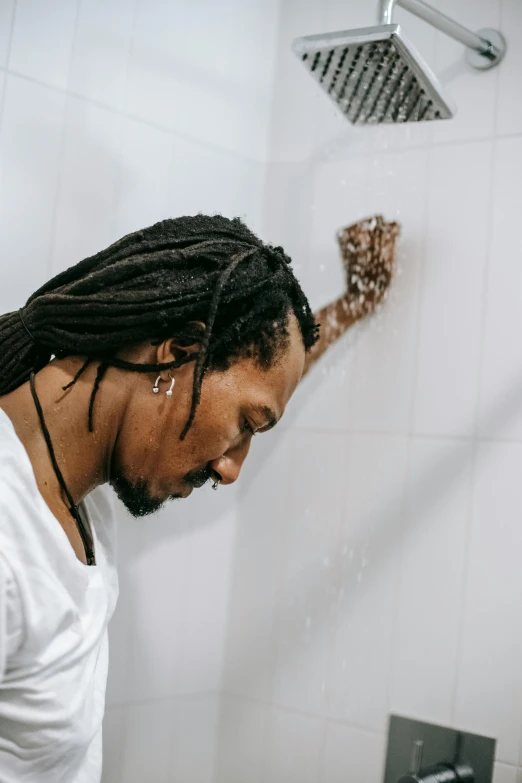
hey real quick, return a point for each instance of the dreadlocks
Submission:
(153, 285)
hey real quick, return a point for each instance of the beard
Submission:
(137, 498)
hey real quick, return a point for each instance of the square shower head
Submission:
(374, 75)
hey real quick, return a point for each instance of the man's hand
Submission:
(368, 254)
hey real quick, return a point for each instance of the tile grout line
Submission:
(421, 282)
(139, 119)
(475, 440)
(118, 185)
(191, 696)
(289, 710)
(61, 153)
(404, 510)
(6, 72)
(389, 150)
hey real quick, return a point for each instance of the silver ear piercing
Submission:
(168, 393)
(215, 485)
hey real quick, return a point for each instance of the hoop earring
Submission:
(172, 382)
(156, 385)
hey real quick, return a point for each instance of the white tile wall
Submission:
(30, 151)
(429, 499)
(42, 40)
(489, 684)
(242, 736)
(119, 688)
(251, 642)
(504, 773)
(472, 90)
(433, 557)
(158, 613)
(509, 113)
(210, 81)
(193, 740)
(349, 751)
(101, 49)
(293, 748)
(368, 384)
(205, 593)
(164, 175)
(90, 172)
(368, 561)
(148, 741)
(500, 408)
(6, 24)
(456, 245)
(113, 738)
(164, 740)
(308, 592)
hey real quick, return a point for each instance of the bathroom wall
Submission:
(377, 559)
(116, 114)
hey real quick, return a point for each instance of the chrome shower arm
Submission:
(442, 22)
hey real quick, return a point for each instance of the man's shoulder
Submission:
(18, 489)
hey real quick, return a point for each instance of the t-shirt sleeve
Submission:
(11, 617)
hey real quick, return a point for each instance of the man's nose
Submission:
(228, 467)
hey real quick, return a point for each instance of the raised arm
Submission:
(368, 255)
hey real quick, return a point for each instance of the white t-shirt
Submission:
(54, 612)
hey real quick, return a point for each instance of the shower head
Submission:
(374, 75)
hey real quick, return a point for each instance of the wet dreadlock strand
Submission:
(78, 375)
(84, 531)
(102, 369)
(202, 355)
(150, 286)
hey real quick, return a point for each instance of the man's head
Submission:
(151, 463)
(193, 299)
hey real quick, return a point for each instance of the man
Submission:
(149, 367)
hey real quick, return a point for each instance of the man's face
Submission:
(151, 464)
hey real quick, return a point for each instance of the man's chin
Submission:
(137, 498)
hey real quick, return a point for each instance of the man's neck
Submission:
(84, 457)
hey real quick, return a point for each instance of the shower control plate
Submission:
(439, 745)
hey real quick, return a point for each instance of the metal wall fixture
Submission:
(424, 753)
(375, 75)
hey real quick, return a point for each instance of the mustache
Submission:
(197, 478)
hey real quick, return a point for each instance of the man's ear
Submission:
(186, 341)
